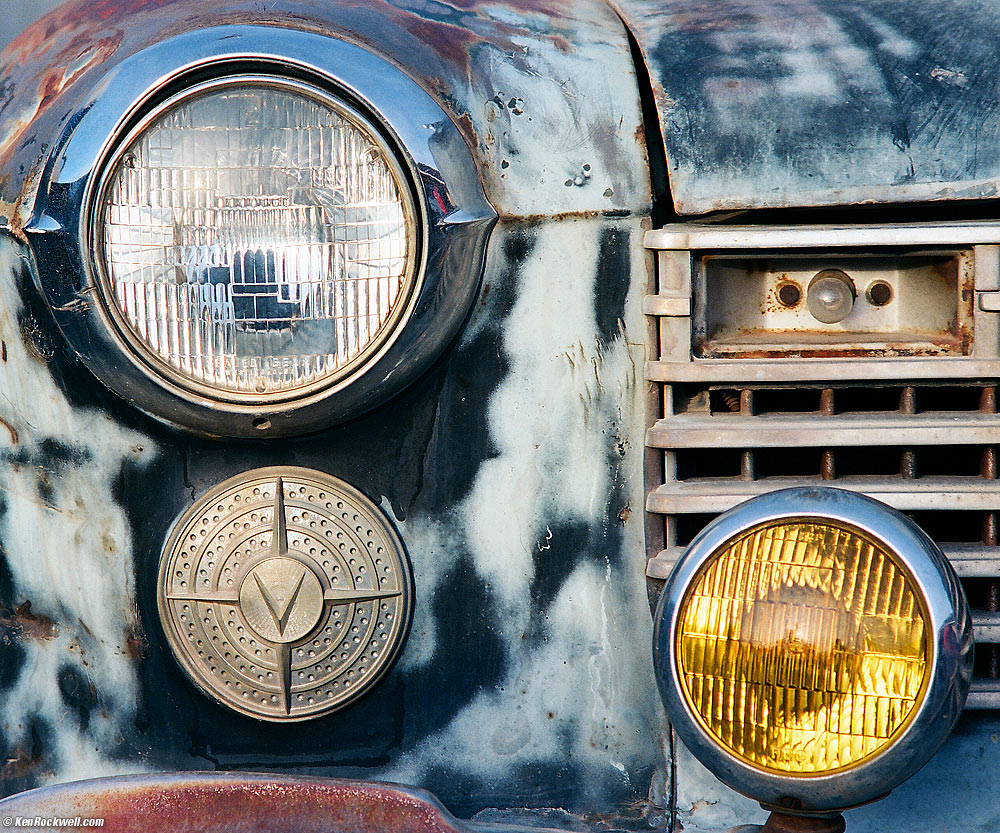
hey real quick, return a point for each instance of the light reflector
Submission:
(258, 239)
(802, 647)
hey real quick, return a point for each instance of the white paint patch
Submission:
(70, 554)
(821, 61)
(432, 551)
(584, 693)
(557, 125)
(704, 803)
(891, 40)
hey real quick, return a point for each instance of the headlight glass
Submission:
(258, 239)
(802, 647)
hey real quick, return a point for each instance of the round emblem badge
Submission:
(284, 593)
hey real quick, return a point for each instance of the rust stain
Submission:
(22, 623)
(15, 438)
(936, 347)
(136, 643)
(21, 764)
(42, 71)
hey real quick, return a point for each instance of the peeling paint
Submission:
(66, 546)
(511, 470)
(785, 103)
(585, 693)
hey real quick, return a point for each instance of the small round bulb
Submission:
(831, 296)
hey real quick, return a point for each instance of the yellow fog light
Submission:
(802, 647)
(813, 648)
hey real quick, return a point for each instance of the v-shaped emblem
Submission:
(280, 611)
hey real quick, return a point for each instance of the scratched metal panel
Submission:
(512, 470)
(543, 90)
(824, 102)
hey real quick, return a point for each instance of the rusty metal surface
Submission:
(543, 91)
(202, 803)
(823, 102)
(784, 823)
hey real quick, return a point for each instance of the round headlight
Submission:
(255, 240)
(813, 648)
(258, 231)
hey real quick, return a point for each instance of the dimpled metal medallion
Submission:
(284, 593)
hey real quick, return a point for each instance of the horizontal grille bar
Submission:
(905, 421)
(680, 236)
(983, 694)
(816, 431)
(768, 371)
(718, 495)
(986, 626)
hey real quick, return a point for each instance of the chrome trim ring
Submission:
(950, 661)
(454, 219)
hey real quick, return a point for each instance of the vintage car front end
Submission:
(383, 383)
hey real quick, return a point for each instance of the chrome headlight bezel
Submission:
(949, 668)
(452, 220)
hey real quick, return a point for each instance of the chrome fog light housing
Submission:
(813, 648)
(248, 231)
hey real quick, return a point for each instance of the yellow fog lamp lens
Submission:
(802, 647)
(813, 648)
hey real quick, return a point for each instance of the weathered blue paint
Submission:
(955, 793)
(823, 102)
(513, 469)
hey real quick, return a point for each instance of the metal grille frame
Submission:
(938, 415)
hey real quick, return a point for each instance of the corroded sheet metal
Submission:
(513, 474)
(195, 803)
(544, 91)
(824, 102)
(512, 470)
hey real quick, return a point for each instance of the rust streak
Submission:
(827, 407)
(22, 623)
(15, 438)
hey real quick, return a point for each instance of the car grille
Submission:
(723, 431)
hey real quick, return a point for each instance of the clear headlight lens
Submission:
(258, 240)
(802, 647)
